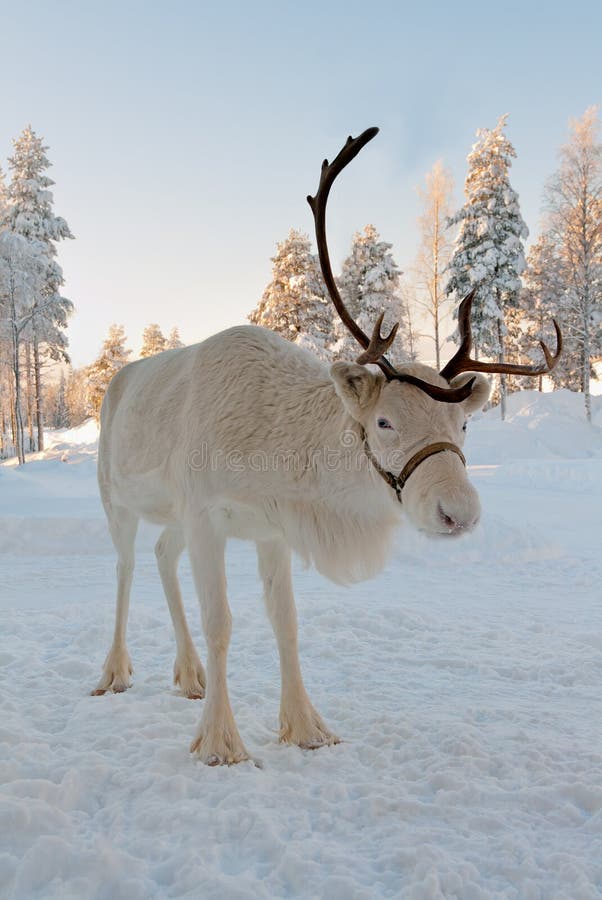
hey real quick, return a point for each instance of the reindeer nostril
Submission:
(452, 525)
(449, 522)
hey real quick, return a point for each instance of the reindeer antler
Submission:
(377, 346)
(462, 362)
(318, 203)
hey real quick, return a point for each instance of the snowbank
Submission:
(538, 426)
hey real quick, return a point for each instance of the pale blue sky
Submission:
(185, 136)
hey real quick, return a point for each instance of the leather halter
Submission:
(397, 482)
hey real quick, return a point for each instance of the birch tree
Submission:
(173, 340)
(22, 270)
(435, 249)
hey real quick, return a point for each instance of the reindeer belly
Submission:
(239, 520)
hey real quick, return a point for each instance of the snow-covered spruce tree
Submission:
(369, 285)
(30, 214)
(173, 340)
(435, 249)
(574, 203)
(489, 252)
(153, 340)
(294, 302)
(112, 358)
(540, 301)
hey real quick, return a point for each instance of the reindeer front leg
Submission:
(299, 722)
(217, 741)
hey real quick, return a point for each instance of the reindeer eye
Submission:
(464, 426)
(384, 423)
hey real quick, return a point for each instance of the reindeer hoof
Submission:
(215, 749)
(326, 741)
(190, 677)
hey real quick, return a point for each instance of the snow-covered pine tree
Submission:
(111, 359)
(574, 202)
(369, 285)
(173, 340)
(540, 301)
(153, 340)
(489, 252)
(30, 214)
(294, 302)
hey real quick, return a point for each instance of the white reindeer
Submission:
(245, 435)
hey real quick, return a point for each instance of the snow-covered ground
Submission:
(465, 682)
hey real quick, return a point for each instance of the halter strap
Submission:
(397, 482)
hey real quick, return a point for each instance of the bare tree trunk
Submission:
(11, 400)
(17, 379)
(502, 377)
(436, 250)
(38, 383)
(586, 362)
(2, 433)
(16, 367)
(29, 382)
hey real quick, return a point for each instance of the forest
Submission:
(519, 287)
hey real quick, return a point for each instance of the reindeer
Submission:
(245, 435)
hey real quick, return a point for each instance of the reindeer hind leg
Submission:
(123, 525)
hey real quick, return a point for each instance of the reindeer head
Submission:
(413, 419)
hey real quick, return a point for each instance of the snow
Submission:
(464, 681)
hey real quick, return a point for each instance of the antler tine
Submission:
(378, 345)
(551, 360)
(462, 362)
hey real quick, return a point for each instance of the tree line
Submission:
(33, 312)
(77, 394)
(480, 246)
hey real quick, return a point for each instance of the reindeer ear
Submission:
(355, 385)
(480, 390)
